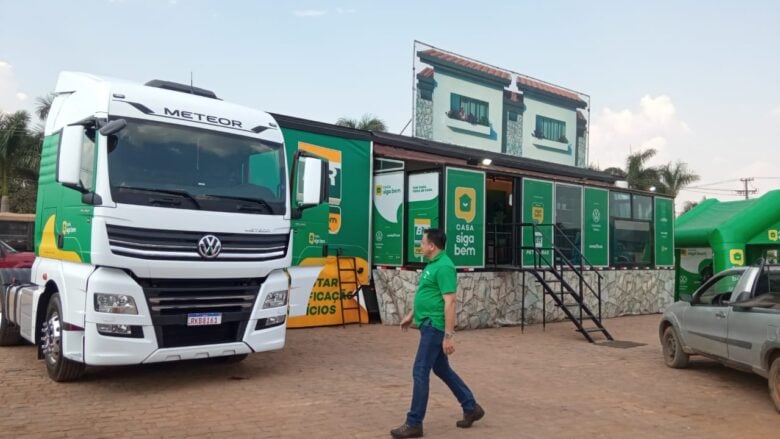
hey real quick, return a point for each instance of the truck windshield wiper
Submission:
(259, 201)
(182, 194)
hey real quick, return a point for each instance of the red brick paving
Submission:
(356, 383)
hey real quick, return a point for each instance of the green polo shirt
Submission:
(438, 278)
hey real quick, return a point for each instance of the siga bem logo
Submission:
(465, 203)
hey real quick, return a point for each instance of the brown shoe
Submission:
(406, 431)
(471, 417)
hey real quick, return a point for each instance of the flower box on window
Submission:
(467, 126)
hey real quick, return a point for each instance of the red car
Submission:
(11, 258)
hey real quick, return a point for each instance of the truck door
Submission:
(309, 227)
(705, 321)
(754, 319)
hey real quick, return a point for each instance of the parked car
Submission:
(734, 318)
(11, 258)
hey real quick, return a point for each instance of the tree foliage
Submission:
(668, 179)
(368, 122)
(20, 154)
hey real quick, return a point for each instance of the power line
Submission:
(713, 184)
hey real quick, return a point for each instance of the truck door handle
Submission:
(720, 314)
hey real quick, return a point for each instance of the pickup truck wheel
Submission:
(673, 353)
(9, 333)
(60, 368)
(774, 382)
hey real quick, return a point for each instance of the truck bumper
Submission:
(159, 335)
(102, 350)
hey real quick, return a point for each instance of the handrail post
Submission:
(599, 299)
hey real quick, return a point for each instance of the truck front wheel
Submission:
(60, 368)
(774, 382)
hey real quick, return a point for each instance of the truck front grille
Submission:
(183, 246)
(172, 300)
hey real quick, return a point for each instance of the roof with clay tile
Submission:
(528, 83)
(463, 62)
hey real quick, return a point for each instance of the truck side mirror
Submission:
(69, 157)
(312, 182)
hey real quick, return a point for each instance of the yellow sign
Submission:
(465, 203)
(378, 190)
(420, 225)
(325, 300)
(773, 235)
(737, 257)
(334, 220)
(537, 213)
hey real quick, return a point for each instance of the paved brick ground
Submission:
(355, 383)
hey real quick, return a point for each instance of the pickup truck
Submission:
(733, 318)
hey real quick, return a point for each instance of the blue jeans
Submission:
(430, 355)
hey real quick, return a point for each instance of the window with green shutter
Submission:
(550, 129)
(468, 110)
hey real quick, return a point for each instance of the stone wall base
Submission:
(492, 299)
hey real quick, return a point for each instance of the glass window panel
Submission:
(631, 243)
(620, 205)
(568, 218)
(643, 208)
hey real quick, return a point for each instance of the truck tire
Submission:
(9, 333)
(774, 382)
(672, 348)
(60, 369)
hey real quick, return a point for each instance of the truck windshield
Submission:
(175, 166)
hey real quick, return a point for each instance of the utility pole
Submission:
(746, 192)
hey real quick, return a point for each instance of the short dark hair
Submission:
(437, 237)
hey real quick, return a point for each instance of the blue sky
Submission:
(697, 80)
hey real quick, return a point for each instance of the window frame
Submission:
(581, 214)
(631, 218)
(477, 102)
(696, 297)
(538, 130)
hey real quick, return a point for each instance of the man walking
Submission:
(434, 314)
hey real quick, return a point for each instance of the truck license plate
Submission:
(203, 319)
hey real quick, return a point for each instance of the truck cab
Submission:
(162, 229)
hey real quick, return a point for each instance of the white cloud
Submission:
(654, 123)
(776, 112)
(11, 98)
(309, 12)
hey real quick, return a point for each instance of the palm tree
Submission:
(688, 205)
(43, 105)
(18, 151)
(368, 122)
(615, 171)
(674, 178)
(637, 174)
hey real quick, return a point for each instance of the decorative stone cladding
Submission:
(491, 299)
(423, 124)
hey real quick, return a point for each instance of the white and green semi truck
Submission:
(163, 230)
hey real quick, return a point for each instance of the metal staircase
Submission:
(561, 279)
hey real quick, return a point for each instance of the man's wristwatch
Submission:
(449, 334)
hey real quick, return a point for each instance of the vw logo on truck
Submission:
(209, 247)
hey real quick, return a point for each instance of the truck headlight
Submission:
(115, 303)
(275, 299)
